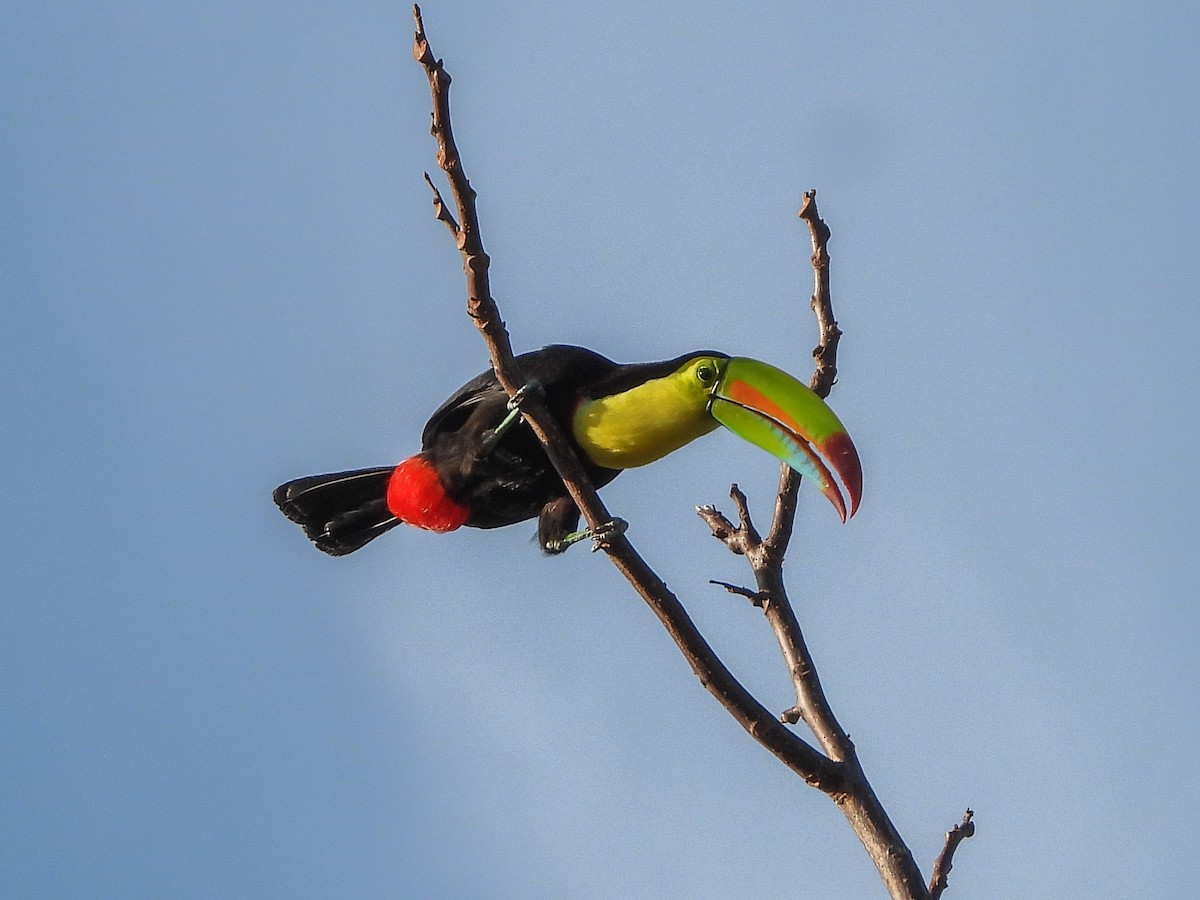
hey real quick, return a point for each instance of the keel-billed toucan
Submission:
(619, 416)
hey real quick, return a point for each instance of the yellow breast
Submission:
(641, 424)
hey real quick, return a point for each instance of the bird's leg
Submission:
(492, 438)
(600, 536)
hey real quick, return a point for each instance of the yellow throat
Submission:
(644, 423)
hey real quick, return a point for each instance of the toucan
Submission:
(480, 466)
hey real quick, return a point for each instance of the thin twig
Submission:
(766, 555)
(825, 353)
(480, 305)
(722, 529)
(742, 538)
(440, 211)
(824, 370)
(757, 598)
(945, 861)
(745, 524)
(810, 696)
(859, 802)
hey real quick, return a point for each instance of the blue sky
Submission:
(220, 271)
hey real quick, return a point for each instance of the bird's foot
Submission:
(609, 531)
(600, 536)
(492, 438)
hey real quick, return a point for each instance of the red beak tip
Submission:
(842, 453)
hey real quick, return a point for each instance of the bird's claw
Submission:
(528, 389)
(492, 438)
(607, 532)
(600, 537)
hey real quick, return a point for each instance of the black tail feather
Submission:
(341, 511)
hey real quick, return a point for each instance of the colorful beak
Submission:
(772, 410)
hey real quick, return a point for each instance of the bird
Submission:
(480, 466)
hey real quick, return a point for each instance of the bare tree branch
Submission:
(858, 801)
(945, 861)
(824, 374)
(794, 752)
(767, 565)
(742, 538)
(722, 529)
(756, 598)
(836, 771)
(440, 210)
(480, 305)
(825, 353)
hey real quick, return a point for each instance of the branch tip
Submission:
(758, 598)
(722, 529)
(751, 540)
(945, 861)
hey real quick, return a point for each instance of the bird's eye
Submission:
(706, 372)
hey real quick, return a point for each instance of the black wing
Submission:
(561, 369)
(453, 414)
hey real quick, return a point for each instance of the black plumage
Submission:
(510, 482)
(341, 511)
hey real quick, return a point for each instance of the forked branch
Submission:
(857, 801)
(836, 770)
(798, 755)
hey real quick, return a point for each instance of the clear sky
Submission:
(220, 270)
